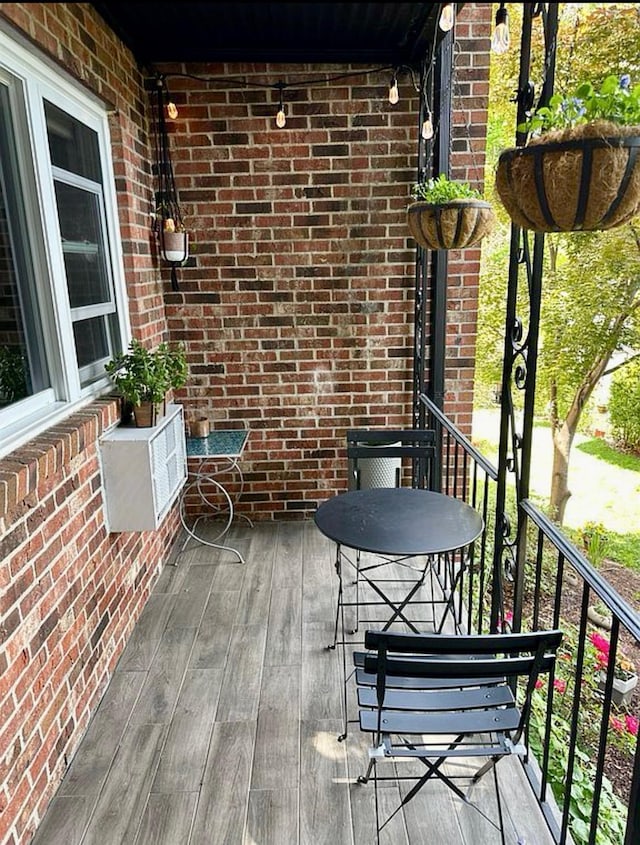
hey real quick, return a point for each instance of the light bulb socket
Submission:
(502, 16)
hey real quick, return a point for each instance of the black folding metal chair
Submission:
(402, 447)
(411, 453)
(429, 698)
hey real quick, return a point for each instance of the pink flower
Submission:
(600, 642)
(560, 685)
(632, 723)
(617, 724)
(539, 684)
(508, 617)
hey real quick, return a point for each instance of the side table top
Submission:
(220, 443)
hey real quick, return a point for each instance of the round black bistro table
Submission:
(399, 521)
(398, 524)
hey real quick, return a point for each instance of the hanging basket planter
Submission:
(583, 179)
(452, 225)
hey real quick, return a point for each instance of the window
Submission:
(62, 304)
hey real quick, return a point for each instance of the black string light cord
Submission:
(281, 86)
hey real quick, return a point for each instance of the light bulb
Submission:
(447, 17)
(172, 110)
(427, 128)
(394, 94)
(500, 39)
(281, 118)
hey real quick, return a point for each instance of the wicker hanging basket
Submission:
(584, 179)
(453, 225)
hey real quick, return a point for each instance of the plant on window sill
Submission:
(143, 378)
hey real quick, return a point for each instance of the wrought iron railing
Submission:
(464, 473)
(580, 738)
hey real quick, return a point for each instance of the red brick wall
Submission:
(70, 593)
(298, 315)
(298, 311)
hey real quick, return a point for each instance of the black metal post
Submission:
(520, 346)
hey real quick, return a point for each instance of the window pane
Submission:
(23, 370)
(72, 145)
(92, 340)
(82, 245)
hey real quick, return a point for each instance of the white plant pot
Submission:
(622, 688)
(175, 247)
(377, 472)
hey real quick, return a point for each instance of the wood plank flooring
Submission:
(220, 724)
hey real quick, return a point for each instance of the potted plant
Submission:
(174, 241)
(447, 214)
(580, 170)
(625, 677)
(143, 377)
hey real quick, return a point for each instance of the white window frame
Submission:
(32, 78)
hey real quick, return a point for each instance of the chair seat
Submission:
(452, 699)
(463, 722)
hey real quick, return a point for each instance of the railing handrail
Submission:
(460, 438)
(627, 616)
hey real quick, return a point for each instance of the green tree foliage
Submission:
(624, 405)
(590, 285)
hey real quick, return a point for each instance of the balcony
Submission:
(221, 720)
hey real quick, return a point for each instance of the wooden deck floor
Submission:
(220, 724)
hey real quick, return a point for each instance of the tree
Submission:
(591, 284)
(590, 310)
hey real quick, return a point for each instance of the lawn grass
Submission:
(624, 549)
(600, 449)
(605, 485)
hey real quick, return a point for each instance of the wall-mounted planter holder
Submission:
(589, 182)
(453, 225)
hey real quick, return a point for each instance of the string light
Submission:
(500, 39)
(281, 117)
(427, 127)
(172, 110)
(447, 17)
(394, 94)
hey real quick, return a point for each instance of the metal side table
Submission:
(216, 455)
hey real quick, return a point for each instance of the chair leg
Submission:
(340, 602)
(499, 803)
(375, 792)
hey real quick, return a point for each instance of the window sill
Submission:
(47, 451)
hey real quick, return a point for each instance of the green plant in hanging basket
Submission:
(580, 170)
(447, 214)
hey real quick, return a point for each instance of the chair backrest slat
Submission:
(455, 644)
(400, 445)
(462, 669)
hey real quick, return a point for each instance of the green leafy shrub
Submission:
(615, 101)
(441, 190)
(624, 405)
(140, 375)
(596, 542)
(612, 813)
